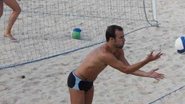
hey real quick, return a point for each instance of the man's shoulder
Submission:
(105, 54)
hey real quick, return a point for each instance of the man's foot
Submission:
(11, 38)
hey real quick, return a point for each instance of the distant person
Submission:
(13, 4)
(80, 81)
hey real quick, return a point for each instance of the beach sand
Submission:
(45, 81)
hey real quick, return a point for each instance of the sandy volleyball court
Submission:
(45, 81)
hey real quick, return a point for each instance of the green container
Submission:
(75, 35)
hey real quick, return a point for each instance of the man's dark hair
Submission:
(110, 32)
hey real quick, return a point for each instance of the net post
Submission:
(154, 9)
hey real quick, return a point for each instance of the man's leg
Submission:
(77, 96)
(16, 11)
(89, 96)
(1, 8)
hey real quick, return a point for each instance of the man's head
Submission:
(115, 35)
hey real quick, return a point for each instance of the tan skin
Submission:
(13, 16)
(110, 53)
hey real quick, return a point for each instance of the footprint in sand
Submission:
(65, 62)
(3, 88)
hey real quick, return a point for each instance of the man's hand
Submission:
(152, 56)
(155, 75)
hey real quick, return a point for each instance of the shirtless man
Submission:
(80, 81)
(16, 11)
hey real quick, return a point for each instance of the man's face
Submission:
(120, 39)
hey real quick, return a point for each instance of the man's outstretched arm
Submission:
(151, 74)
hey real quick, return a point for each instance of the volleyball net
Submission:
(174, 97)
(44, 27)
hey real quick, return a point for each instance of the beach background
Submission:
(45, 81)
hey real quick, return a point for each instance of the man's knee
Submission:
(18, 11)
